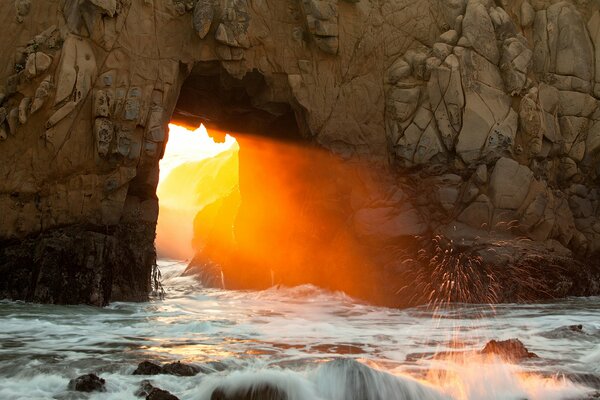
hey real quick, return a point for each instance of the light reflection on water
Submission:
(43, 346)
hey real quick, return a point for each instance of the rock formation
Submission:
(480, 117)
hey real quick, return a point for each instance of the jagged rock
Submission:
(481, 174)
(203, 17)
(449, 37)
(478, 213)
(447, 99)
(180, 369)
(160, 394)
(147, 368)
(398, 71)
(563, 47)
(509, 184)
(150, 392)
(511, 350)
(527, 14)
(109, 7)
(13, 120)
(24, 106)
(41, 94)
(531, 120)
(489, 124)
(478, 29)
(503, 24)
(576, 104)
(515, 63)
(37, 64)
(88, 383)
(104, 131)
(442, 50)
(101, 104)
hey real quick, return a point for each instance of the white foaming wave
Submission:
(337, 380)
(592, 360)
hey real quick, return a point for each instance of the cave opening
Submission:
(195, 172)
(239, 147)
(286, 217)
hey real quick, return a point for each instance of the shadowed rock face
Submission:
(481, 120)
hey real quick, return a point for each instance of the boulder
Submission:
(159, 394)
(88, 383)
(509, 184)
(180, 369)
(147, 368)
(150, 392)
(510, 350)
(478, 29)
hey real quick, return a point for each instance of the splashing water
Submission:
(301, 341)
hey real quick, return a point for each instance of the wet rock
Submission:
(88, 383)
(147, 368)
(180, 369)
(159, 394)
(150, 392)
(511, 349)
(576, 328)
(144, 389)
(263, 391)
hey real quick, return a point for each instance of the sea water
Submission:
(288, 337)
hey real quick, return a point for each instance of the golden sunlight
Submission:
(194, 172)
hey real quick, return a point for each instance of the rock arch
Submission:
(450, 100)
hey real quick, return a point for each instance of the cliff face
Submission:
(485, 115)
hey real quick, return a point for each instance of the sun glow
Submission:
(194, 172)
(187, 145)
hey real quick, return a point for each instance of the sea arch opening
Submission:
(195, 172)
(290, 219)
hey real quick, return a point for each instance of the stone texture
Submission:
(509, 184)
(416, 89)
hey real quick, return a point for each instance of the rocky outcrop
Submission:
(480, 120)
(88, 383)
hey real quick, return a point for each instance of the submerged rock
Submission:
(88, 383)
(511, 349)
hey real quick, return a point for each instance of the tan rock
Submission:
(509, 184)
(37, 64)
(203, 17)
(24, 106)
(388, 223)
(478, 29)
(527, 14)
(478, 214)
